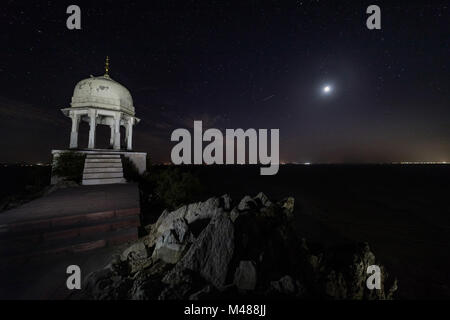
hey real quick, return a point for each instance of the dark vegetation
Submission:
(69, 166)
(130, 172)
(168, 187)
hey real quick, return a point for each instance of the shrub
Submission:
(172, 187)
(69, 166)
(130, 172)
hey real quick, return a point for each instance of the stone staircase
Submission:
(103, 169)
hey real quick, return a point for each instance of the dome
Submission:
(103, 93)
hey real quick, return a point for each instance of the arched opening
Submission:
(103, 134)
(83, 135)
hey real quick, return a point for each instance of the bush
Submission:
(172, 187)
(69, 166)
(130, 172)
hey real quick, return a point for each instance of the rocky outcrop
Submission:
(171, 245)
(210, 254)
(213, 249)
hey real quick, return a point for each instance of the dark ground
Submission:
(402, 211)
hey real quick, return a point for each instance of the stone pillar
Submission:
(130, 134)
(92, 124)
(111, 139)
(74, 133)
(117, 132)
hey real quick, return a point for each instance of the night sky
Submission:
(236, 64)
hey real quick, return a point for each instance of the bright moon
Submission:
(327, 89)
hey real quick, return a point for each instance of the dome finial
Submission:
(107, 66)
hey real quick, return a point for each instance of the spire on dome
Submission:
(107, 66)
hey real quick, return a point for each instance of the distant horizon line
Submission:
(24, 163)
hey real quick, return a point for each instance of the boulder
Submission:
(204, 210)
(170, 246)
(234, 214)
(105, 284)
(136, 251)
(287, 205)
(182, 285)
(226, 202)
(136, 256)
(286, 285)
(166, 220)
(247, 203)
(245, 276)
(210, 254)
(191, 213)
(263, 200)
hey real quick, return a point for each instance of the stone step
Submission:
(102, 165)
(96, 170)
(102, 175)
(103, 181)
(103, 160)
(109, 156)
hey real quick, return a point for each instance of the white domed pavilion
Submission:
(102, 101)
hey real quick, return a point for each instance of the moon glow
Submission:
(326, 89)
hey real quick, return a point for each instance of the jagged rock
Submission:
(335, 286)
(357, 288)
(107, 285)
(136, 255)
(147, 283)
(134, 252)
(287, 205)
(203, 210)
(210, 254)
(245, 276)
(165, 221)
(286, 286)
(349, 281)
(201, 246)
(170, 246)
(118, 266)
(247, 203)
(144, 288)
(234, 214)
(226, 202)
(263, 200)
(181, 285)
(191, 213)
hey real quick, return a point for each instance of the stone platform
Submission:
(71, 220)
(139, 159)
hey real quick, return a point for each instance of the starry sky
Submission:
(236, 64)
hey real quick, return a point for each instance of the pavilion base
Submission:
(102, 165)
